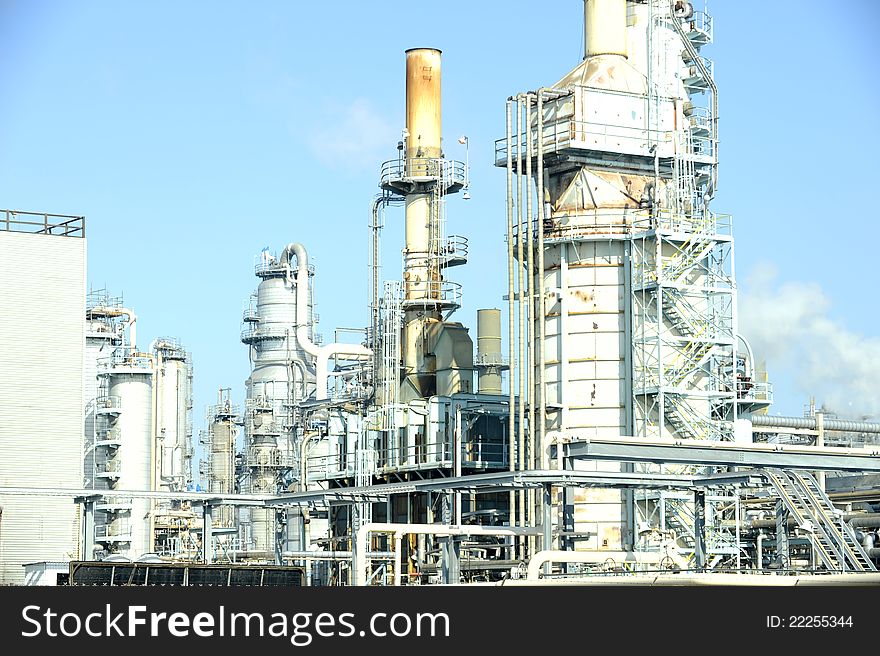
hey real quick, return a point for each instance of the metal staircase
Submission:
(682, 315)
(678, 419)
(692, 251)
(835, 542)
(680, 518)
(693, 354)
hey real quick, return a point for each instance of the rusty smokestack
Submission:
(423, 113)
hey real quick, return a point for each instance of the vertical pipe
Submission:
(820, 441)
(374, 286)
(586, 28)
(207, 534)
(542, 302)
(456, 464)
(546, 517)
(700, 530)
(521, 313)
(154, 420)
(511, 326)
(530, 312)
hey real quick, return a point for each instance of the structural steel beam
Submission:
(81, 495)
(526, 479)
(701, 452)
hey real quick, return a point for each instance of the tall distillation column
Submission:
(126, 404)
(173, 415)
(173, 435)
(106, 322)
(282, 376)
(104, 332)
(223, 421)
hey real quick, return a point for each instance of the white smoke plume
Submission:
(789, 325)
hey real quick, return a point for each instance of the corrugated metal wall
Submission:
(42, 309)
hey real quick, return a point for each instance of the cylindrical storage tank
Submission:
(489, 358)
(133, 386)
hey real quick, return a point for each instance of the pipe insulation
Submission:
(811, 423)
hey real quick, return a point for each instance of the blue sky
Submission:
(193, 134)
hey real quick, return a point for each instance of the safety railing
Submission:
(454, 250)
(694, 76)
(114, 504)
(102, 298)
(450, 172)
(120, 531)
(754, 391)
(250, 314)
(631, 223)
(491, 360)
(111, 467)
(568, 133)
(268, 459)
(108, 404)
(475, 454)
(699, 28)
(43, 224)
(111, 437)
(269, 266)
(432, 293)
(700, 120)
(256, 333)
(125, 357)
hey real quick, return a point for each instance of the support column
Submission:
(700, 529)
(782, 553)
(207, 533)
(546, 522)
(281, 537)
(88, 528)
(451, 568)
(820, 441)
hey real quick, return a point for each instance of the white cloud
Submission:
(789, 324)
(353, 136)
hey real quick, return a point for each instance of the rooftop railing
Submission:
(59, 225)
